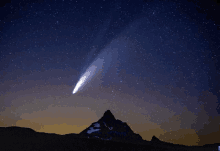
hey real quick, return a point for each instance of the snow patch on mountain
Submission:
(96, 125)
(91, 130)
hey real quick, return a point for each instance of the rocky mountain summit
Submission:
(109, 128)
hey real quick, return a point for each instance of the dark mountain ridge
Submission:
(111, 129)
(105, 134)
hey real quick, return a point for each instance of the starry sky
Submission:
(161, 73)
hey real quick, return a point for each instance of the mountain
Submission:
(108, 128)
(107, 134)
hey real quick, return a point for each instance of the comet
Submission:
(102, 63)
(93, 70)
(86, 76)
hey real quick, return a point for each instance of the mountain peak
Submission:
(108, 115)
(108, 128)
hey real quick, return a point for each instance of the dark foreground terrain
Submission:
(25, 139)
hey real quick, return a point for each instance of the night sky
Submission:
(161, 73)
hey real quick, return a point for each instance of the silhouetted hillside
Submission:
(94, 138)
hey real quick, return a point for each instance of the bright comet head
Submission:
(90, 72)
(104, 59)
(85, 77)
